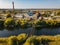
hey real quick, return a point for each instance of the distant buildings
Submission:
(30, 13)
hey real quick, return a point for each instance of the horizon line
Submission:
(30, 8)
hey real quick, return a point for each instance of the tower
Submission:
(13, 9)
(13, 5)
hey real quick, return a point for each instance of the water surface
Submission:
(44, 31)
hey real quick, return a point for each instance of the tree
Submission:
(22, 38)
(9, 23)
(8, 15)
(1, 24)
(32, 41)
(24, 24)
(12, 40)
(17, 24)
(58, 13)
(45, 41)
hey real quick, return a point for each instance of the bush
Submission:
(45, 41)
(9, 23)
(31, 41)
(58, 13)
(3, 40)
(45, 15)
(17, 24)
(45, 24)
(39, 24)
(12, 40)
(1, 24)
(24, 24)
(21, 38)
(8, 15)
(51, 23)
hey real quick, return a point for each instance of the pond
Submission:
(44, 31)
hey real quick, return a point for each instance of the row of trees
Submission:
(10, 23)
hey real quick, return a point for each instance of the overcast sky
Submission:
(30, 3)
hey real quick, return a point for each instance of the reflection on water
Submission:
(49, 31)
(45, 31)
(6, 33)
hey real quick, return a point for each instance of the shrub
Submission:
(12, 40)
(9, 23)
(45, 24)
(21, 38)
(39, 24)
(3, 40)
(24, 24)
(58, 13)
(45, 41)
(8, 15)
(51, 23)
(31, 41)
(17, 24)
(1, 24)
(45, 15)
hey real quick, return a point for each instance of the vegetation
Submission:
(45, 15)
(9, 23)
(24, 24)
(8, 15)
(17, 24)
(23, 39)
(1, 24)
(58, 13)
(45, 24)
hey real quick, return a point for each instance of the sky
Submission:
(30, 4)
